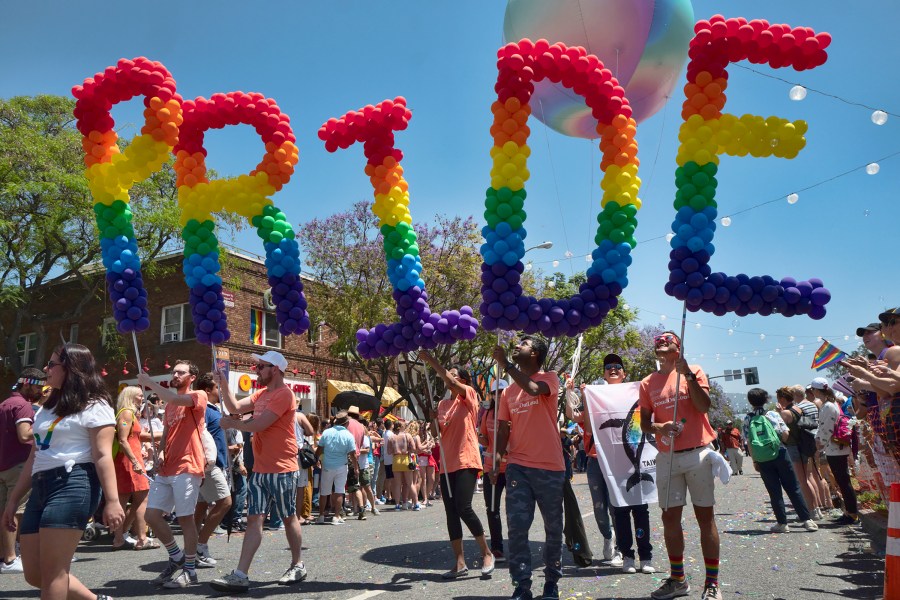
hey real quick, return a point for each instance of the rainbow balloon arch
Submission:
(176, 127)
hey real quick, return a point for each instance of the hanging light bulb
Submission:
(846, 337)
(697, 326)
(797, 93)
(663, 317)
(731, 332)
(879, 117)
(762, 336)
(801, 346)
(791, 338)
(569, 254)
(735, 354)
(587, 258)
(669, 237)
(872, 168)
(726, 221)
(528, 266)
(755, 352)
(555, 263)
(777, 350)
(792, 198)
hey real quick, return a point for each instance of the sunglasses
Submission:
(613, 367)
(180, 372)
(51, 364)
(666, 337)
(260, 367)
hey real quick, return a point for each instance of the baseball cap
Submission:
(819, 383)
(861, 331)
(273, 358)
(889, 314)
(613, 359)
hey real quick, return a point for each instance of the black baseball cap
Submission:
(889, 314)
(861, 331)
(613, 359)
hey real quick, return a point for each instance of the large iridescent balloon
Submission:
(643, 42)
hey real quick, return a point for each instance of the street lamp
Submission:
(541, 246)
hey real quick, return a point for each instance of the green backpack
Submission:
(764, 441)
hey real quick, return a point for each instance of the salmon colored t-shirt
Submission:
(487, 430)
(183, 446)
(534, 433)
(657, 394)
(588, 436)
(275, 448)
(459, 436)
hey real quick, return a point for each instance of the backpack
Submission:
(764, 442)
(842, 432)
(808, 419)
(806, 439)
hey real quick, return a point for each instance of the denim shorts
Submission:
(61, 499)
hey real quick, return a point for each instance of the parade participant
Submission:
(775, 468)
(177, 485)
(214, 489)
(529, 439)
(336, 447)
(493, 489)
(732, 445)
(614, 374)
(462, 462)
(684, 462)
(16, 420)
(131, 478)
(274, 476)
(837, 454)
(69, 464)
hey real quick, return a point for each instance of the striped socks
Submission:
(190, 562)
(175, 553)
(712, 570)
(676, 567)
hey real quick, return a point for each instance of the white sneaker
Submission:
(628, 566)
(647, 567)
(337, 521)
(817, 514)
(810, 525)
(294, 574)
(14, 567)
(183, 580)
(609, 546)
(617, 559)
(375, 511)
(779, 528)
(379, 501)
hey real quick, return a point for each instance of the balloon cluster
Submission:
(247, 195)
(520, 65)
(111, 173)
(707, 133)
(418, 327)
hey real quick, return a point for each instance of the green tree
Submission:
(47, 222)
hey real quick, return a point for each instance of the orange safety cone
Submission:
(892, 548)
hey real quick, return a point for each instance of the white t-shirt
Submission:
(386, 457)
(70, 441)
(364, 456)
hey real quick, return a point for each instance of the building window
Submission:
(27, 347)
(73, 333)
(264, 329)
(108, 331)
(175, 324)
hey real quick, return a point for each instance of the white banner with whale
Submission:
(627, 456)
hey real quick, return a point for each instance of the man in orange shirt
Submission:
(176, 487)
(685, 452)
(275, 466)
(528, 436)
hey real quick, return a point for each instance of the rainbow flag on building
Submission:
(256, 326)
(827, 355)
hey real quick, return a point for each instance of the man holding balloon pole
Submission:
(274, 477)
(685, 461)
(528, 436)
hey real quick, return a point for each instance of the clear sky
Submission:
(321, 59)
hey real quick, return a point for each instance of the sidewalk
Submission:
(875, 524)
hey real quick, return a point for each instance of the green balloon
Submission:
(628, 230)
(698, 203)
(275, 237)
(492, 219)
(516, 221)
(397, 254)
(491, 203)
(691, 168)
(268, 222)
(617, 236)
(110, 232)
(709, 192)
(631, 242)
(517, 203)
(403, 227)
(504, 211)
(203, 248)
(605, 228)
(413, 249)
(619, 218)
(504, 194)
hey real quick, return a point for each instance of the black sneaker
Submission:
(521, 593)
(846, 520)
(168, 573)
(551, 591)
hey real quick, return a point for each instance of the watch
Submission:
(691, 376)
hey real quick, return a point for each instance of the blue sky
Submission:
(321, 59)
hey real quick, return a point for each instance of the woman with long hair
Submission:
(131, 476)
(425, 483)
(70, 462)
(799, 452)
(456, 417)
(836, 453)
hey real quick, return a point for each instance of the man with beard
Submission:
(16, 420)
(274, 477)
(528, 436)
(685, 453)
(177, 484)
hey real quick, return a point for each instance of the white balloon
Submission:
(879, 117)
(872, 168)
(792, 198)
(797, 93)
(726, 221)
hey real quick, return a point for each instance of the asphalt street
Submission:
(402, 555)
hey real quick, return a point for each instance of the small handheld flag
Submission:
(827, 355)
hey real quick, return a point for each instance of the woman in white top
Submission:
(837, 455)
(70, 462)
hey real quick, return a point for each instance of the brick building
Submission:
(171, 333)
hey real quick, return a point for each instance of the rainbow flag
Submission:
(826, 355)
(256, 326)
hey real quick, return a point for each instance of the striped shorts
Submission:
(280, 489)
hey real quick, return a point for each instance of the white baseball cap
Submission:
(273, 358)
